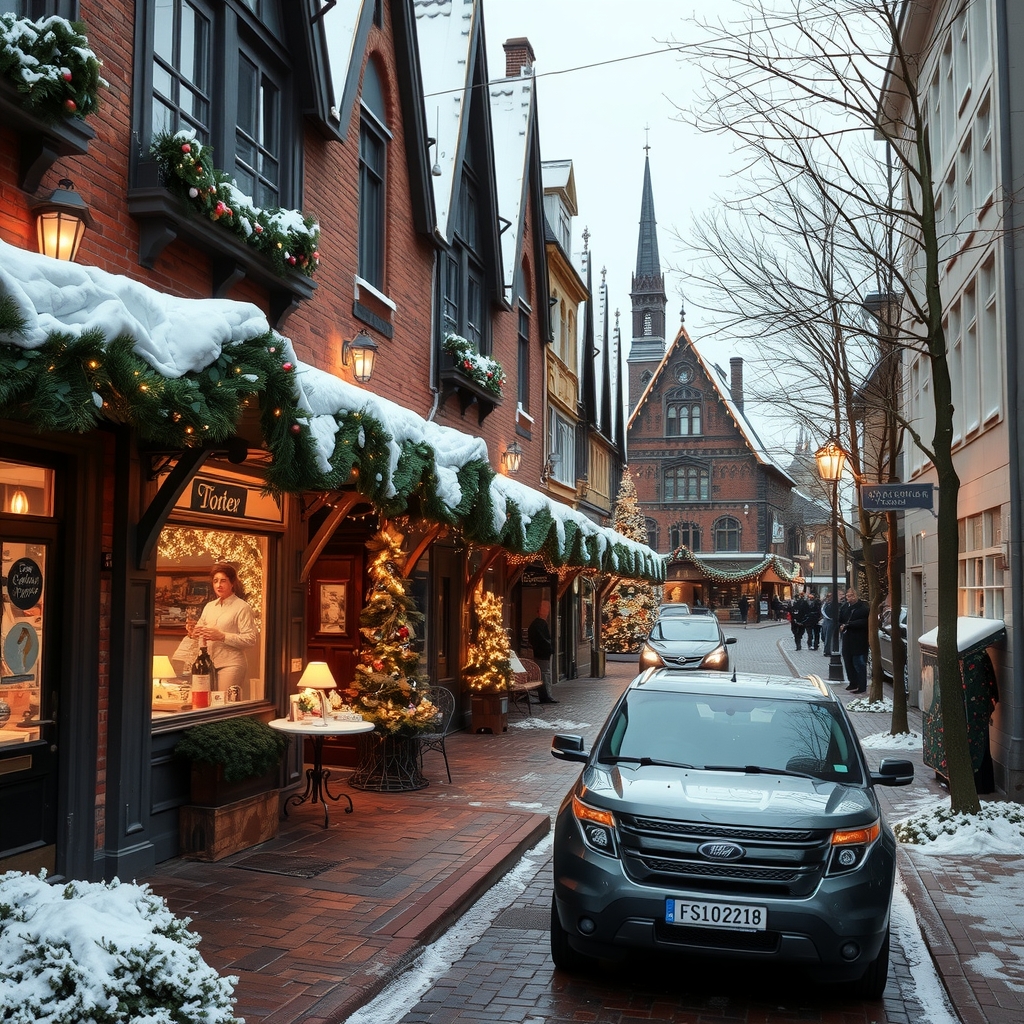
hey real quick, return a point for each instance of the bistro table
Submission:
(317, 777)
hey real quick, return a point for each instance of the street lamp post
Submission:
(831, 459)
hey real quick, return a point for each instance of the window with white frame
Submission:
(984, 179)
(989, 343)
(971, 417)
(961, 58)
(980, 43)
(955, 343)
(981, 570)
(562, 448)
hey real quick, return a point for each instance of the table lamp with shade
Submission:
(164, 674)
(317, 676)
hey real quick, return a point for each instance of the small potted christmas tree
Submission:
(387, 689)
(489, 666)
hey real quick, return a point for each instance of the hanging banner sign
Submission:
(896, 497)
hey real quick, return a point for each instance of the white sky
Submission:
(597, 116)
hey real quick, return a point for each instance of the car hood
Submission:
(731, 798)
(683, 648)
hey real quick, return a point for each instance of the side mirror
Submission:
(730, 639)
(893, 772)
(569, 748)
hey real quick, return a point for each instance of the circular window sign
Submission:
(24, 583)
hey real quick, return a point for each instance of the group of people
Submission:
(811, 617)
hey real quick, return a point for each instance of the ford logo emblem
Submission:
(721, 851)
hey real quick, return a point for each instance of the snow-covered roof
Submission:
(444, 34)
(720, 382)
(86, 345)
(511, 106)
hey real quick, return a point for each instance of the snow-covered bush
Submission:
(107, 953)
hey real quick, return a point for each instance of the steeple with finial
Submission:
(647, 346)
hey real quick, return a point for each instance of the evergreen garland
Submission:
(288, 238)
(50, 64)
(71, 384)
(487, 372)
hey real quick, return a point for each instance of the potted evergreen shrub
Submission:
(489, 666)
(231, 759)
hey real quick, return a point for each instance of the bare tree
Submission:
(808, 87)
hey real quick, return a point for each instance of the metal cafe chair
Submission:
(444, 700)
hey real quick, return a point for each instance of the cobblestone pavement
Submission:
(316, 922)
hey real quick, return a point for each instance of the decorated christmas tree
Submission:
(631, 607)
(387, 689)
(489, 666)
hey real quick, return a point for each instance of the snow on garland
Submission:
(288, 238)
(180, 370)
(110, 953)
(773, 562)
(487, 372)
(50, 64)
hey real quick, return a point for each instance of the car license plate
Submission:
(735, 916)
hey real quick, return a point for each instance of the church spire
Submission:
(648, 263)
(650, 303)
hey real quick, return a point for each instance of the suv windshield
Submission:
(804, 737)
(686, 627)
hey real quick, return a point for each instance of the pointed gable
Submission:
(716, 377)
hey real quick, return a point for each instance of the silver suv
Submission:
(728, 818)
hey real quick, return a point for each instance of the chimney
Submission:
(518, 55)
(736, 381)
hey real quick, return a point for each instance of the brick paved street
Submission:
(317, 921)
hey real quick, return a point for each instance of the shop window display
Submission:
(210, 584)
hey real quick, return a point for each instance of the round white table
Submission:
(317, 777)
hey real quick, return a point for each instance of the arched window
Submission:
(652, 533)
(683, 413)
(685, 535)
(687, 483)
(727, 534)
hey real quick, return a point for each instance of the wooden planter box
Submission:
(490, 712)
(209, 788)
(212, 833)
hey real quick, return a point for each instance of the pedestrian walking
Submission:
(744, 607)
(826, 622)
(813, 624)
(853, 618)
(798, 619)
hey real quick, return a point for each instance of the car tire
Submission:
(563, 956)
(872, 983)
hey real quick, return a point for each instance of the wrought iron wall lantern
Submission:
(363, 351)
(61, 220)
(512, 457)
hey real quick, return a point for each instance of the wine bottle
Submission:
(203, 676)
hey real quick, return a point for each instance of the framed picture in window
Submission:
(333, 606)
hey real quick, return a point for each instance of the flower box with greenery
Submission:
(485, 371)
(231, 759)
(289, 239)
(488, 668)
(50, 65)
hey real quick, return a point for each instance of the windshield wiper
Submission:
(754, 769)
(645, 762)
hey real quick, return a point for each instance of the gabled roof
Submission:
(446, 33)
(716, 375)
(512, 106)
(559, 176)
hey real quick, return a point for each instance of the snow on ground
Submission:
(863, 704)
(937, 831)
(554, 724)
(886, 741)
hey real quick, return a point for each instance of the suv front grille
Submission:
(787, 863)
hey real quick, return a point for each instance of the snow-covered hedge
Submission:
(105, 953)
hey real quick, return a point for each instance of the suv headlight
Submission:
(597, 826)
(850, 847)
(649, 658)
(718, 658)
